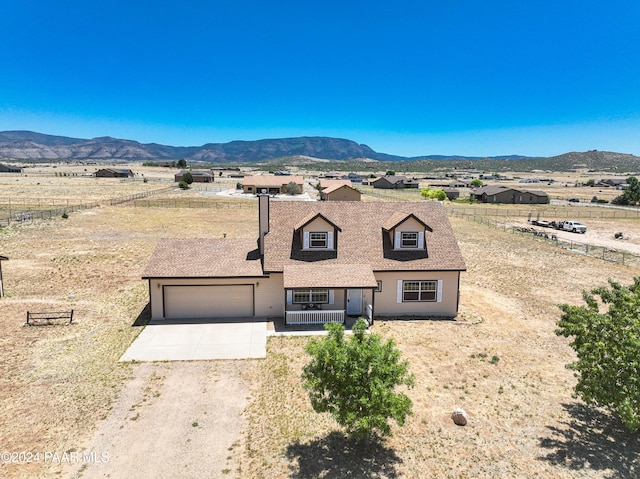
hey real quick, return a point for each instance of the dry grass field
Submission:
(501, 361)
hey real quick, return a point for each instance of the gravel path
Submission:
(172, 420)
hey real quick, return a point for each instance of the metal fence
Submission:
(39, 211)
(547, 236)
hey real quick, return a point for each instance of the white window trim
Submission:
(330, 296)
(306, 240)
(400, 291)
(419, 240)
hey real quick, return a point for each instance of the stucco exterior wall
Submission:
(343, 194)
(268, 292)
(386, 301)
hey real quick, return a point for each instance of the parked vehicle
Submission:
(574, 226)
(574, 200)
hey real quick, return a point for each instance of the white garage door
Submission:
(208, 301)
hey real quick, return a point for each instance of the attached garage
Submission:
(208, 301)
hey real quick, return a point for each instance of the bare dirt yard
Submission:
(62, 389)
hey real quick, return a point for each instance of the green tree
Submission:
(607, 345)
(182, 163)
(390, 173)
(438, 195)
(631, 194)
(354, 380)
(590, 182)
(187, 177)
(292, 188)
(476, 183)
(183, 185)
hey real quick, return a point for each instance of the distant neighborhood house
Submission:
(504, 195)
(618, 183)
(338, 190)
(199, 176)
(9, 169)
(395, 182)
(268, 184)
(114, 173)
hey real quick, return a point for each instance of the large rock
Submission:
(459, 417)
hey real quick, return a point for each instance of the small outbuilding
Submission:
(452, 193)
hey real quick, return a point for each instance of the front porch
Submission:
(357, 305)
(328, 293)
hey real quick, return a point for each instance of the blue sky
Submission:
(477, 78)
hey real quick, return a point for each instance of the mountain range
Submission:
(28, 145)
(32, 146)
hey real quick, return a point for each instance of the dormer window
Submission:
(409, 239)
(318, 240)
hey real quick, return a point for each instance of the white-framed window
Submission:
(419, 291)
(303, 296)
(379, 288)
(318, 240)
(408, 239)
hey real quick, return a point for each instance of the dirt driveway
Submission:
(172, 420)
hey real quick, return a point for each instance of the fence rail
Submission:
(595, 251)
(29, 215)
(315, 317)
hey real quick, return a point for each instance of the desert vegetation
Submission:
(501, 360)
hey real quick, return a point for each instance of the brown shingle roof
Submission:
(268, 180)
(332, 188)
(334, 183)
(204, 258)
(328, 276)
(362, 240)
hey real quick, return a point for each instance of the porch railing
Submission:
(314, 317)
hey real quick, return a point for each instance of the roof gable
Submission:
(362, 239)
(398, 218)
(311, 217)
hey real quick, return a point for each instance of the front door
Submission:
(354, 302)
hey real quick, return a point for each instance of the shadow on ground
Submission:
(336, 456)
(144, 317)
(594, 440)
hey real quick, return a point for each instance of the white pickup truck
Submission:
(574, 226)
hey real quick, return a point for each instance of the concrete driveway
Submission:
(188, 341)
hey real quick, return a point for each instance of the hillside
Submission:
(26, 145)
(336, 152)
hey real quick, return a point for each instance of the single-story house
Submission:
(340, 191)
(9, 168)
(114, 173)
(315, 262)
(198, 176)
(271, 185)
(395, 182)
(504, 195)
(619, 183)
(460, 184)
(2, 258)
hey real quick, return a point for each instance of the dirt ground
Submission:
(173, 419)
